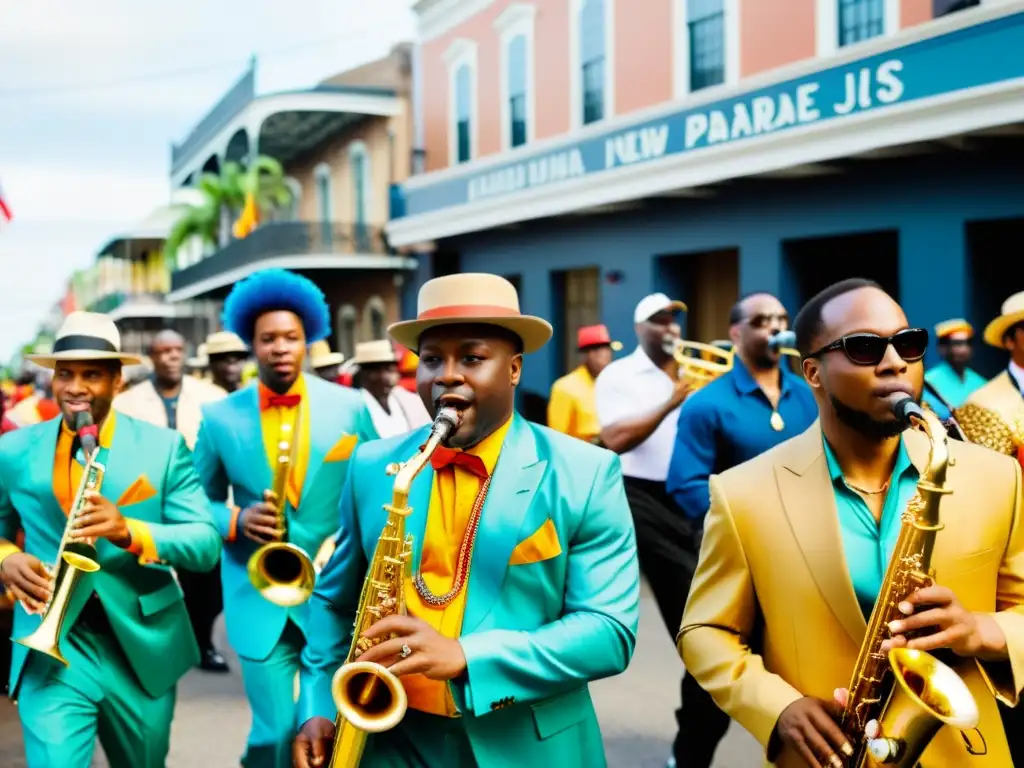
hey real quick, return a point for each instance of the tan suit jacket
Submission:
(143, 402)
(772, 557)
(1001, 397)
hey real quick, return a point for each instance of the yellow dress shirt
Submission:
(572, 408)
(451, 503)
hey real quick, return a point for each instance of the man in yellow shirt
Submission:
(572, 408)
(522, 585)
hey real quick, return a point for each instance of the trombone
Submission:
(698, 362)
(282, 572)
(73, 557)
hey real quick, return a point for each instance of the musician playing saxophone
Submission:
(126, 634)
(277, 313)
(797, 541)
(523, 583)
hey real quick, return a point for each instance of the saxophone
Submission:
(73, 557)
(370, 699)
(910, 693)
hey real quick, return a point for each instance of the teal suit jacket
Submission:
(230, 453)
(534, 634)
(144, 602)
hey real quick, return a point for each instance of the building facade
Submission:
(708, 148)
(342, 145)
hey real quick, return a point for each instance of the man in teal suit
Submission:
(952, 381)
(126, 635)
(317, 424)
(524, 582)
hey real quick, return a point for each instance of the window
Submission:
(706, 30)
(347, 331)
(359, 162)
(847, 22)
(375, 319)
(461, 60)
(515, 27)
(860, 20)
(325, 205)
(592, 59)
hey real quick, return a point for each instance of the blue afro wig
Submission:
(272, 290)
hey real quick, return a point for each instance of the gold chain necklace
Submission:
(865, 491)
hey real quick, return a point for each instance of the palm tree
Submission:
(223, 196)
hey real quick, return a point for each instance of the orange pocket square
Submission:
(139, 491)
(342, 449)
(541, 545)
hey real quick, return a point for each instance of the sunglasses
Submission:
(764, 321)
(869, 348)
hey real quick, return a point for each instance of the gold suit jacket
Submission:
(993, 415)
(772, 567)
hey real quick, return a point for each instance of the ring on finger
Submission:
(406, 651)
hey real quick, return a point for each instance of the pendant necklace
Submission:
(776, 421)
(865, 491)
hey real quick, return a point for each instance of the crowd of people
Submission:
(761, 504)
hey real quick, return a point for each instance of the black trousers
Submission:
(204, 599)
(667, 548)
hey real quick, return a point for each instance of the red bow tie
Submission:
(446, 457)
(279, 401)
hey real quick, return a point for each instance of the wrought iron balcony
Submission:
(280, 240)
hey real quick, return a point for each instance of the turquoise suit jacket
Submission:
(144, 602)
(953, 389)
(534, 634)
(230, 453)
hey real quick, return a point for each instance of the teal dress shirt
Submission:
(868, 545)
(953, 389)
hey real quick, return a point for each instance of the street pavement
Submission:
(636, 710)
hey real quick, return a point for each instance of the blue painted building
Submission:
(900, 159)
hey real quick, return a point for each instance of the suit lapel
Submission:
(419, 500)
(247, 428)
(41, 477)
(324, 430)
(513, 486)
(810, 506)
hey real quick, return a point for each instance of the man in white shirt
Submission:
(393, 409)
(638, 402)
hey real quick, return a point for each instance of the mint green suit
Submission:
(120, 683)
(534, 634)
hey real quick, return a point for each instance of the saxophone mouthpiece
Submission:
(905, 408)
(781, 340)
(447, 422)
(88, 432)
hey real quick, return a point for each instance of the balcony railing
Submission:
(279, 239)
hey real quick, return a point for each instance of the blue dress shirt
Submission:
(868, 545)
(729, 422)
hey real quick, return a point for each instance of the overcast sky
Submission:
(93, 93)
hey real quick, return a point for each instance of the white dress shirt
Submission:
(405, 412)
(626, 388)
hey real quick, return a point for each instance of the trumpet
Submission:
(698, 362)
(282, 572)
(369, 698)
(73, 557)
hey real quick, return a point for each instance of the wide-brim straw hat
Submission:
(370, 352)
(471, 297)
(225, 343)
(1012, 313)
(85, 336)
(320, 355)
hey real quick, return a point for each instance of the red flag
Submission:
(5, 210)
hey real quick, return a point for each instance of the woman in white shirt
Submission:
(394, 410)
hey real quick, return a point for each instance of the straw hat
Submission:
(957, 329)
(225, 343)
(320, 355)
(471, 298)
(1013, 313)
(371, 352)
(85, 336)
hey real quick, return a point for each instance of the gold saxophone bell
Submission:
(701, 363)
(369, 700)
(926, 695)
(73, 558)
(282, 572)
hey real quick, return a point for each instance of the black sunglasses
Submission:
(869, 348)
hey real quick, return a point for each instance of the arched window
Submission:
(325, 202)
(362, 186)
(375, 320)
(461, 58)
(346, 330)
(291, 211)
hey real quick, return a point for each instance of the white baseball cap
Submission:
(653, 304)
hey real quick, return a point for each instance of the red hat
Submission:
(595, 336)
